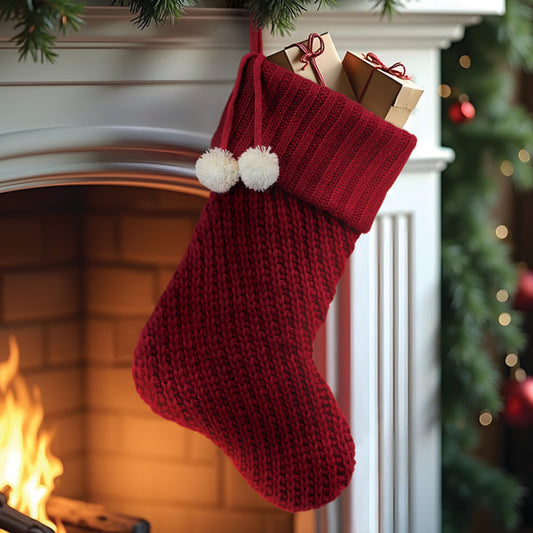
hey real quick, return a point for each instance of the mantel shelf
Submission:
(111, 27)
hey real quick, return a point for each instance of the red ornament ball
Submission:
(524, 294)
(518, 412)
(461, 112)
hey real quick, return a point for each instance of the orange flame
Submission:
(26, 464)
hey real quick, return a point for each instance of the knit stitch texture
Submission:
(228, 349)
(333, 153)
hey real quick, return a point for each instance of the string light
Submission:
(502, 296)
(507, 168)
(502, 231)
(520, 375)
(485, 418)
(504, 319)
(511, 360)
(524, 156)
(463, 97)
(465, 61)
(444, 90)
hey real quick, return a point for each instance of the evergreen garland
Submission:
(38, 21)
(475, 264)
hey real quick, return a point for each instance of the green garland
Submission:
(38, 21)
(475, 264)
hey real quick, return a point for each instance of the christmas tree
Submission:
(478, 325)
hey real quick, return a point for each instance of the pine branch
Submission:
(279, 16)
(156, 11)
(37, 23)
(388, 7)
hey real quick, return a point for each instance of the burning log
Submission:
(83, 517)
(14, 522)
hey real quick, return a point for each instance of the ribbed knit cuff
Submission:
(332, 152)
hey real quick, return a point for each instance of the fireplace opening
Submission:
(81, 268)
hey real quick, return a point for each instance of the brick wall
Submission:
(80, 271)
(41, 303)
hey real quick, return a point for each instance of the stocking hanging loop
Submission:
(258, 166)
(256, 38)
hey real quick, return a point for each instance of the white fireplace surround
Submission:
(110, 106)
(73, 133)
(126, 107)
(102, 155)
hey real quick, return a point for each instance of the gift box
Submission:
(386, 91)
(317, 60)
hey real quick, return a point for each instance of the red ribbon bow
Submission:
(379, 65)
(393, 69)
(309, 55)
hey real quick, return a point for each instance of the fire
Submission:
(27, 466)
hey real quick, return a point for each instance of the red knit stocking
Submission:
(228, 348)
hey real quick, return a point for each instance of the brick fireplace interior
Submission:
(81, 268)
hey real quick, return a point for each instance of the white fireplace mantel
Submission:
(130, 107)
(111, 74)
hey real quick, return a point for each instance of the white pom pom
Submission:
(259, 168)
(217, 170)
